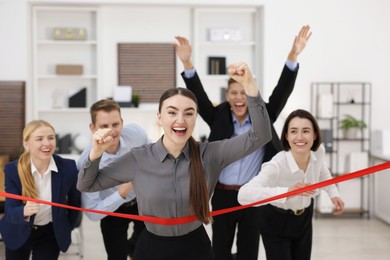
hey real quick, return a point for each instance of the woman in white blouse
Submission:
(286, 224)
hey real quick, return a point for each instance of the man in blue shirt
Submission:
(121, 199)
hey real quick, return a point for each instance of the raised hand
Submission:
(299, 43)
(184, 51)
(241, 73)
(101, 140)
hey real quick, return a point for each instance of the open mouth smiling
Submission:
(180, 130)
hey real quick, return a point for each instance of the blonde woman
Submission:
(31, 228)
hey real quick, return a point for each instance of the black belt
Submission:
(38, 227)
(296, 212)
(130, 203)
(221, 186)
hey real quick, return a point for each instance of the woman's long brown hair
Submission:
(199, 196)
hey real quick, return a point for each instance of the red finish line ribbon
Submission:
(187, 219)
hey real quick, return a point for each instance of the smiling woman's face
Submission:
(41, 144)
(177, 117)
(300, 135)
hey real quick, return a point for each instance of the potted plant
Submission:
(351, 126)
(135, 99)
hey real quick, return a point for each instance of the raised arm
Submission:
(207, 110)
(184, 52)
(286, 82)
(299, 43)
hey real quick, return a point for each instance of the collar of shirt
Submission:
(292, 164)
(239, 129)
(162, 152)
(235, 121)
(52, 167)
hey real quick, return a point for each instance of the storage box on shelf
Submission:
(331, 103)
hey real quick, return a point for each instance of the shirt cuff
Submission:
(189, 73)
(292, 65)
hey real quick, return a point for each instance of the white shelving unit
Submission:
(243, 20)
(51, 91)
(346, 154)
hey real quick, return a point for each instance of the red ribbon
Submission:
(187, 219)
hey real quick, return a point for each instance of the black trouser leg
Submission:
(224, 227)
(115, 235)
(285, 235)
(41, 243)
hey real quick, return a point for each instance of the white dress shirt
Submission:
(43, 183)
(277, 175)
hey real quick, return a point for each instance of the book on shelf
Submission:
(217, 65)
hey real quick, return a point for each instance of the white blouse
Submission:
(43, 183)
(277, 175)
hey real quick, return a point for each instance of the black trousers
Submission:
(224, 228)
(41, 244)
(195, 245)
(285, 235)
(115, 236)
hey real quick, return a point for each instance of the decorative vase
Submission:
(350, 133)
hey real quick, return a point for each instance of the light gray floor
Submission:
(334, 239)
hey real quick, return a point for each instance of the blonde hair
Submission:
(29, 188)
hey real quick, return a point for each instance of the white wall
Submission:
(350, 42)
(13, 40)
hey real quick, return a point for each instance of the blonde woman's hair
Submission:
(29, 188)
